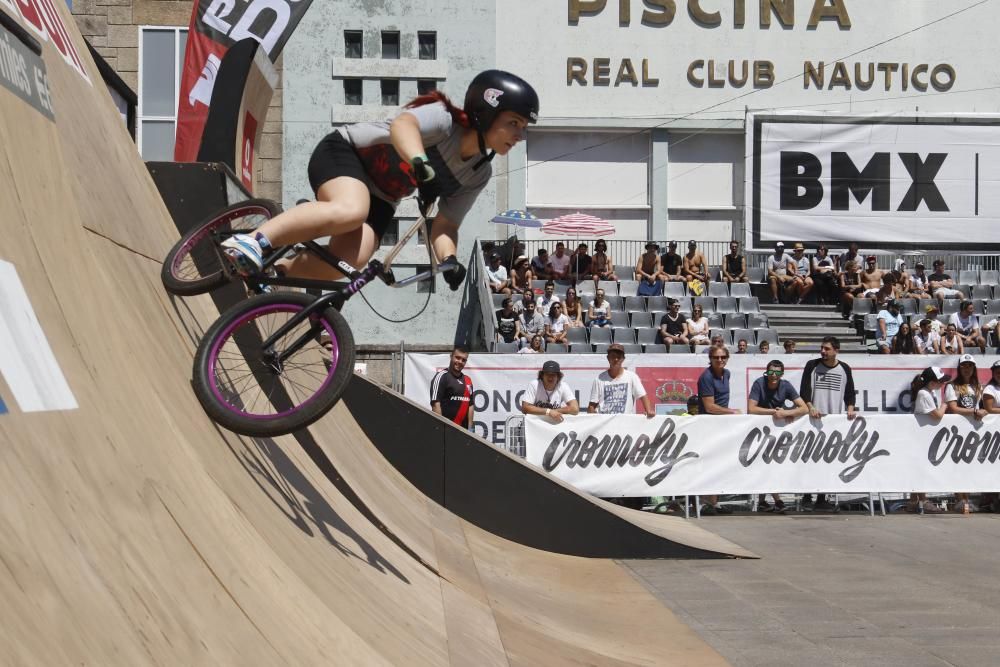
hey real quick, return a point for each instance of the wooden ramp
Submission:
(134, 532)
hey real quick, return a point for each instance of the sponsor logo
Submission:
(44, 20)
(492, 97)
(969, 447)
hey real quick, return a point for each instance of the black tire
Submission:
(240, 391)
(192, 265)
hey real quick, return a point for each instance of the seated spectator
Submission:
(764, 347)
(742, 346)
(671, 264)
(889, 322)
(871, 277)
(780, 271)
(932, 312)
(549, 396)
(716, 341)
(647, 271)
(902, 279)
(673, 326)
(602, 266)
(599, 312)
(530, 323)
(902, 342)
(521, 276)
(734, 265)
(967, 325)
(507, 328)
(527, 296)
(918, 282)
(573, 309)
(926, 340)
(534, 347)
(951, 342)
(850, 255)
(580, 263)
(695, 268)
(559, 262)
(540, 265)
(940, 284)
(824, 276)
(548, 297)
(496, 276)
(802, 283)
(697, 327)
(927, 391)
(556, 325)
(886, 292)
(789, 346)
(850, 287)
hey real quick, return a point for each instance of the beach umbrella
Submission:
(518, 218)
(578, 224)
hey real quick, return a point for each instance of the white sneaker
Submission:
(244, 254)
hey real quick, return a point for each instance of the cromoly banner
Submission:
(630, 455)
(215, 26)
(907, 182)
(500, 380)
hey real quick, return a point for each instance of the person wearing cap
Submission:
(579, 264)
(548, 396)
(918, 282)
(780, 271)
(925, 339)
(940, 284)
(647, 271)
(671, 264)
(889, 321)
(559, 261)
(451, 390)
(496, 276)
(871, 277)
(521, 275)
(932, 312)
(963, 396)
(802, 282)
(967, 324)
(541, 267)
(927, 391)
(602, 267)
(694, 266)
(734, 265)
(616, 390)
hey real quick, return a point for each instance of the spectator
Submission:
(616, 390)
(933, 313)
(886, 292)
(964, 396)
(695, 269)
(496, 276)
(528, 296)
(602, 266)
(521, 276)
(764, 347)
(850, 255)
(926, 340)
(451, 390)
(580, 263)
(713, 399)
(940, 284)
(549, 396)
(647, 271)
(771, 395)
(902, 279)
(927, 391)
(741, 346)
(828, 389)
(951, 342)
(889, 321)
(824, 276)
(734, 266)
(871, 277)
(556, 325)
(507, 326)
(560, 262)
(540, 265)
(902, 342)
(671, 264)
(802, 283)
(599, 312)
(716, 341)
(548, 297)
(573, 309)
(918, 282)
(530, 323)
(990, 502)
(967, 325)
(789, 346)
(535, 347)
(850, 287)
(697, 327)
(673, 326)
(780, 271)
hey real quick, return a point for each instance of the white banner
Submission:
(629, 455)
(499, 380)
(874, 180)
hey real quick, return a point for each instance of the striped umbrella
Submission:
(578, 224)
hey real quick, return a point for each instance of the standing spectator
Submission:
(926, 340)
(599, 312)
(580, 263)
(789, 346)
(697, 327)
(824, 276)
(521, 276)
(535, 347)
(741, 346)
(530, 323)
(771, 395)
(556, 325)
(871, 277)
(540, 265)
(671, 264)
(940, 284)
(602, 266)
(967, 325)
(647, 271)
(549, 396)
(507, 327)
(695, 268)
(951, 342)
(451, 390)
(963, 396)
(573, 309)
(713, 399)
(850, 255)
(548, 297)
(927, 391)
(673, 327)
(918, 282)
(560, 262)
(850, 287)
(764, 347)
(734, 266)
(902, 342)
(889, 321)
(802, 283)
(616, 390)
(528, 296)
(496, 276)
(828, 389)
(990, 502)
(780, 271)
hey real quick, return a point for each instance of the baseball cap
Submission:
(550, 367)
(967, 359)
(779, 244)
(692, 242)
(996, 364)
(672, 244)
(871, 258)
(495, 255)
(918, 265)
(930, 307)
(889, 303)
(616, 347)
(520, 258)
(932, 373)
(652, 245)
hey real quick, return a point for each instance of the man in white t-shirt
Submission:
(549, 396)
(967, 323)
(926, 340)
(616, 390)
(780, 270)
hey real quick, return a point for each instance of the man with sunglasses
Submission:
(672, 326)
(713, 398)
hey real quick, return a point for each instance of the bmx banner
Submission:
(500, 380)
(899, 182)
(630, 455)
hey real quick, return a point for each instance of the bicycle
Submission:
(280, 360)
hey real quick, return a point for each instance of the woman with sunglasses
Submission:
(573, 309)
(697, 327)
(556, 325)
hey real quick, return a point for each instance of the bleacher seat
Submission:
(908, 306)
(870, 326)
(770, 335)
(727, 335)
(749, 304)
(632, 348)
(561, 287)
(580, 348)
(968, 277)
(757, 321)
(623, 336)
(743, 334)
(656, 303)
(641, 320)
(735, 321)
(505, 348)
(949, 306)
(624, 272)
(726, 304)
(657, 348)
(716, 320)
(707, 303)
(993, 307)
(585, 287)
(982, 292)
(616, 302)
(619, 319)
(635, 304)
(600, 336)
(862, 307)
(979, 306)
(577, 335)
(674, 289)
(714, 273)
(989, 277)
(685, 304)
(680, 349)
(718, 289)
(538, 286)
(498, 301)
(610, 287)
(601, 348)
(628, 287)
(556, 348)
(757, 274)
(739, 289)
(645, 336)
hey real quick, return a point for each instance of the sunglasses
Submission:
(720, 358)
(774, 373)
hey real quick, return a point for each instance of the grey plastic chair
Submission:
(749, 304)
(674, 289)
(600, 336)
(718, 289)
(635, 304)
(505, 348)
(735, 321)
(640, 320)
(740, 290)
(770, 335)
(556, 348)
(726, 304)
(577, 335)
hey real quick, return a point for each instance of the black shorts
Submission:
(334, 157)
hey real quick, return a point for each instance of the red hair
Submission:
(458, 116)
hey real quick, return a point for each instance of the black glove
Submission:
(427, 190)
(454, 276)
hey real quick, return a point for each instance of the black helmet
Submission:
(494, 91)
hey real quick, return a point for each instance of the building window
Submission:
(352, 92)
(390, 45)
(425, 286)
(391, 235)
(428, 45)
(425, 86)
(161, 63)
(353, 43)
(390, 92)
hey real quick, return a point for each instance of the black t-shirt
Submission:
(453, 393)
(938, 277)
(674, 327)
(506, 325)
(734, 265)
(579, 264)
(671, 263)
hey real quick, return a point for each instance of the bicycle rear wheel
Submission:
(269, 392)
(192, 265)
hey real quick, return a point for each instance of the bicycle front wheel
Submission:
(192, 265)
(265, 392)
